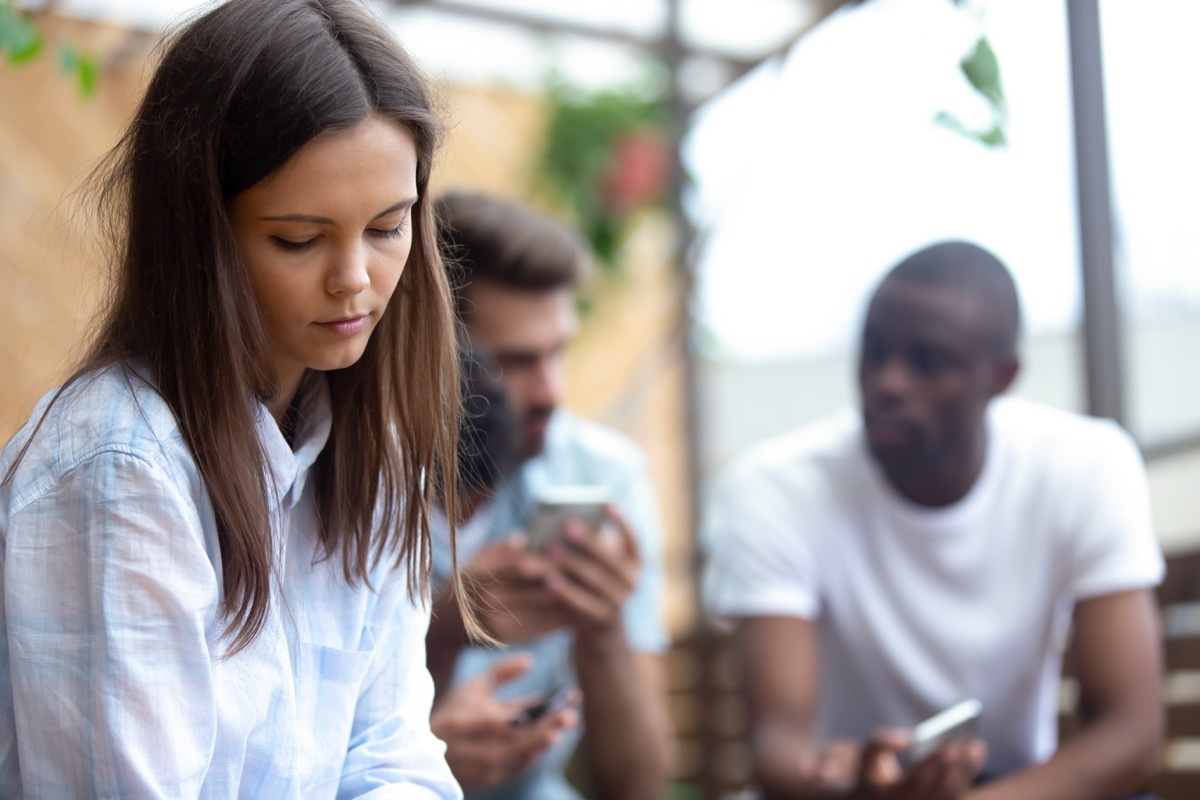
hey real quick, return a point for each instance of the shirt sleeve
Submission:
(393, 753)
(758, 559)
(1113, 543)
(108, 596)
(643, 612)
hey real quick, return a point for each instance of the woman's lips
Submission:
(351, 326)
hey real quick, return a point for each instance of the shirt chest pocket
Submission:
(330, 680)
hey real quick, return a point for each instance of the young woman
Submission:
(215, 536)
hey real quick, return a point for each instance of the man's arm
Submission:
(1118, 645)
(780, 669)
(627, 739)
(780, 662)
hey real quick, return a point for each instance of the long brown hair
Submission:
(236, 93)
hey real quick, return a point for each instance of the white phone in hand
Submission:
(956, 723)
(557, 504)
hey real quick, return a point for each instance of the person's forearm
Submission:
(1113, 757)
(446, 637)
(627, 739)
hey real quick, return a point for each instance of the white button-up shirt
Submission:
(113, 676)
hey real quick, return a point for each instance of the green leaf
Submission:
(88, 72)
(18, 35)
(983, 71)
(993, 138)
(25, 51)
(582, 129)
(948, 120)
(68, 58)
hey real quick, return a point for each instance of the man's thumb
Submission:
(511, 668)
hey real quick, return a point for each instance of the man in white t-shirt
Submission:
(940, 545)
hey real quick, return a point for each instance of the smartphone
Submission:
(956, 723)
(557, 504)
(555, 700)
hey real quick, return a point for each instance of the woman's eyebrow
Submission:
(327, 221)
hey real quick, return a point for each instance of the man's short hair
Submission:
(968, 267)
(490, 238)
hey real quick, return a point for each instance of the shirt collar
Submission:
(289, 467)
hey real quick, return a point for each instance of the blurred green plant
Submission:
(21, 42)
(982, 70)
(604, 157)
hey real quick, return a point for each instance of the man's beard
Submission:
(533, 444)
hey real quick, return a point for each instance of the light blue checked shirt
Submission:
(112, 680)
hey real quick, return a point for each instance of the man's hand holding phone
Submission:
(594, 572)
(936, 760)
(509, 582)
(948, 773)
(939, 758)
(575, 568)
(488, 740)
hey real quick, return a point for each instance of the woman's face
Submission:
(325, 239)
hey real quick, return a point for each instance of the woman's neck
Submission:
(284, 408)
(289, 387)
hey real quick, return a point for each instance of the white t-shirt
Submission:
(918, 608)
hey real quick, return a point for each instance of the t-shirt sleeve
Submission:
(1113, 544)
(758, 559)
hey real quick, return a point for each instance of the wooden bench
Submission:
(710, 716)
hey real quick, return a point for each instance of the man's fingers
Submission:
(533, 740)
(603, 580)
(977, 753)
(880, 763)
(949, 772)
(579, 601)
(929, 778)
(508, 669)
(838, 765)
(531, 568)
(628, 540)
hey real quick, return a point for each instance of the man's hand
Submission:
(948, 774)
(848, 771)
(483, 745)
(593, 575)
(513, 603)
(784, 753)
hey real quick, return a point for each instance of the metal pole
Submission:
(679, 111)
(1103, 363)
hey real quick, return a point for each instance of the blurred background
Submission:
(745, 171)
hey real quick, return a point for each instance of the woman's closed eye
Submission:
(390, 233)
(289, 246)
